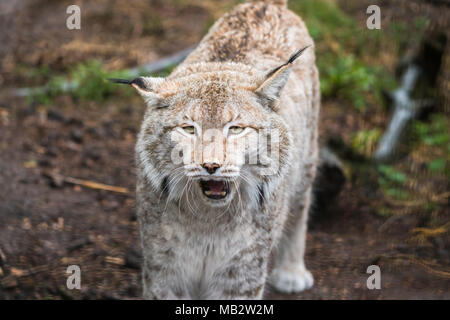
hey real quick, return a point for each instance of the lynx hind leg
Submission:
(289, 274)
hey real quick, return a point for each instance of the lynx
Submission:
(214, 224)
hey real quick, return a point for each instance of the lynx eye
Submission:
(189, 129)
(236, 129)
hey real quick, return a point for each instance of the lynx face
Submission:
(212, 132)
(209, 137)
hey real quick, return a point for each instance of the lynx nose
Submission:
(211, 167)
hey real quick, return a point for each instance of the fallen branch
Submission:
(422, 234)
(438, 198)
(115, 260)
(405, 110)
(58, 180)
(148, 68)
(95, 185)
(10, 281)
(410, 98)
(427, 266)
(162, 64)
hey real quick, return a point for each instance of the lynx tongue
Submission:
(214, 189)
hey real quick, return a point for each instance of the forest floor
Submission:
(47, 224)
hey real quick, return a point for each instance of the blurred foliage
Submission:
(347, 78)
(323, 18)
(92, 81)
(403, 33)
(421, 181)
(434, 135)
(340, 44)
(365, 141)
(341, 47)
(392, 182)
(153, 25)
(435, 132)
(86, 81)
(39, 74)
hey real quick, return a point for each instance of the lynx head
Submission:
(212, 135)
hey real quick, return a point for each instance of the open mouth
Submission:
(215, 189)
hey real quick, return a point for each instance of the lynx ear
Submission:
(145, 86)
(270, 90)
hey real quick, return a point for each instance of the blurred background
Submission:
(67, 143)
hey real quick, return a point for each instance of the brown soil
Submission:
(46, 225)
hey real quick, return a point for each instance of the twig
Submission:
(58, 180)
(95, 185)
(115, 260)
(424, 264)
(11, 280)
(405, 110)
(416, 203)
(432, 232)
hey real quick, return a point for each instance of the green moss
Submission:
(390, 174)
(437, 165)
(384, 212)
(347, 78)
(433, 132)
(364, 141)
(90, 82)
(393, 182)
(434, 135)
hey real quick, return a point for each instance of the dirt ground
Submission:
(47, 224)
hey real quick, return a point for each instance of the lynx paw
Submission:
(291, 280)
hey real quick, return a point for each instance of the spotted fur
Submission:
(241, 73)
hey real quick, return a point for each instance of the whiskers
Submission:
(183, 189)
(254, 192)
(172, 185)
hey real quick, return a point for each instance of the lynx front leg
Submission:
(289, 274)
(243, 279)
(157, 285)
(162, 276)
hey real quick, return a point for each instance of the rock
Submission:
(76, 135)
(329, 182)
(74, 121)
(78, 244)
(55, 179)
(133, 259)
(99, 252)
(330, 176)
(51, 152)
(92, 153)
(45, 162)
(54, 115)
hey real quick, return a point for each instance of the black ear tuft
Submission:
(138, 82)
(121, 81)
(141, 83)
(269, 91)
(290, 61)
(296, 55)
